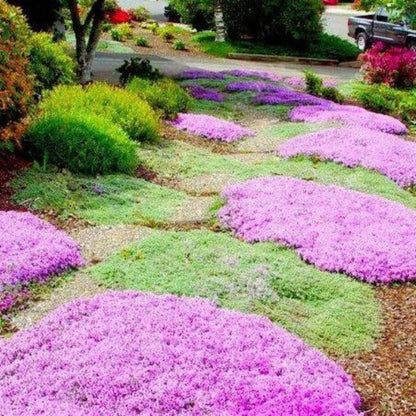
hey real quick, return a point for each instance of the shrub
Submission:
(198, 13)
(50, 62)
(274, 20)
(81, 142)
(118, 16)
(142, 41)
(179, 45)
(171, 14)
(140, 14)
(333, 94)
(166, 96)
(166, 34)
(334, 47)
(117, 105)
(394, 66)
(122, 32)
(106, 27)
(314, 83)
(379, 98)
(385, 99)
(137, 68)
(16, 81)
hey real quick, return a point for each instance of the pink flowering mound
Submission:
(250, 73)
(32, 249)
(336, 229)
(348, 114)
(211, 127)
(352, 146)
(130, 353)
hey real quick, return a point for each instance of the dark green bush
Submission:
(50, 62)
(165, 96)
(198, 13)
(333, 47)
(137, 68)
(81, 142)
(117, 105)
(275, 21)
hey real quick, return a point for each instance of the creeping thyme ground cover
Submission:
(106, 200)
(348, 114)
(31, 250)
(352, 146)
(124, 353)
(180, 161)
(258, 278)
(335, 229)
(211, 127)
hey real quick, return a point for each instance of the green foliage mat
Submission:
(113, 199)
(330, 311)
(179, 161)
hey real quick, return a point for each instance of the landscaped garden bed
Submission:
(202, 200)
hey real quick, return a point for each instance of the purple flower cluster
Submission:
(250, 73)
(201, 74)
(125, 353)
(283, 96)
(296, 82)
(259, 86)
(203, 93)
(348, 114)
(353, 146)
(32, 249)
(211, 127)
(336, 229)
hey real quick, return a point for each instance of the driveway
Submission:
(106, 63)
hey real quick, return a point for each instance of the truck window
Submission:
(382, 15)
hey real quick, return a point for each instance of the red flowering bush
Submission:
(394, 66)
(16, 81)
(119, 16)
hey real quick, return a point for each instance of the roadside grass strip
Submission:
(349, 114)
(353, 146)
(327, 310)
(124, 353)
(211, 127)
(337, 230)
(31, 251)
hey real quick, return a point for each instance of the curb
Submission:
(278, 58)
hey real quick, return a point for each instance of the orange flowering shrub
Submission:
(16, 81)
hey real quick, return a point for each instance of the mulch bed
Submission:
(10, 165)
(386, 377)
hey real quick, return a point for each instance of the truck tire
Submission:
(362, 41)
(412, 45)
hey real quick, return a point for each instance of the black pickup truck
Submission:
(381, 26)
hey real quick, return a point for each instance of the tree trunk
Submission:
(219, 21)
(85, 50)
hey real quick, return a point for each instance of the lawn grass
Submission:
(330, 311)
(179, 160)
(328, 47)
(106, 200)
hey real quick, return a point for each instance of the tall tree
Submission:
(87, 35)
